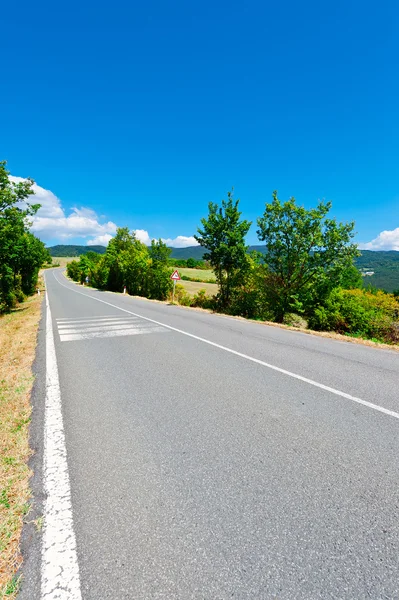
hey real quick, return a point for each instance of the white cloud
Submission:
(386, 240)
(181, 241)
(50, 221)
(143, 236)
(100, 240)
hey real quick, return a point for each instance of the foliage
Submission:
(199, 300)
(181, 295)
(73, 270)
(351, 278)
(202, 300)
(370, 315)
(127, 262)
(384, 264)
(21, 253)
(303, 247)
(223, 235)
(159, 282)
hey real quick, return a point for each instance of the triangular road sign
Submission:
(175, 276)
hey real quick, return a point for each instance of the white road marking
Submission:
(321, 386)
(93, 320)
(114, 327)
(73, 337)
(60, 570)
(129, 322)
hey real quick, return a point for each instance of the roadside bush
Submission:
(99, 275)
(202, 300)
(367, 314)
(181, 296)
(73, 270)
(294, 320)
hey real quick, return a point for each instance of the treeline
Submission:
(127, 262)
(306, 274)
(21, 253)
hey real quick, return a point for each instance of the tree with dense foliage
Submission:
(127, 262)
(223, 236)
(351, 278)
(305, 250)
(159, 283)
(21, 253)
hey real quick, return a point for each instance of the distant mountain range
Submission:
(71, 250)
(384, 265)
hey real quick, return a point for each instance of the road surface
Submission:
(209, 457)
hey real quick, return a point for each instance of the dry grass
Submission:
(62, 261)
(193, 287)
(18, 332)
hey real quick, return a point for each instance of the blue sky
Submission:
(139, 113)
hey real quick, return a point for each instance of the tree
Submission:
(21, 253)
(159, 252)
(122, 242)
(159, 282)
(304, 249)
(351, 278)
(223, 235)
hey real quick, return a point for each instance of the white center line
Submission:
(59, 570)
(321, 386)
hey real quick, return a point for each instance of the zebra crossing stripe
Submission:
(86, 328)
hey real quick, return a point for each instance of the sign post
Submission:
(174, 277)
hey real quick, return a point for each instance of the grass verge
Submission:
(18, 333)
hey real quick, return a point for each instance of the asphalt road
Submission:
(196, 472)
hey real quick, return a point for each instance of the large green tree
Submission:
(21, 253)
(305, 251)
(223, 235)
(127, 262)
(159, 282)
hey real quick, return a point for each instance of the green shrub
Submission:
(181, 296)
(294, 320)
(367, 314)
(202, 300)
(73, 270)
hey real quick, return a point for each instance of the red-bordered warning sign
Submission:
(175, 276)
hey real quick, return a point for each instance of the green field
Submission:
(204, 274)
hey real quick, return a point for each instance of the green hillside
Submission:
(71, 250)
(385, 265)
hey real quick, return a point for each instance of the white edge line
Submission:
(321, 386)
(59, 569)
